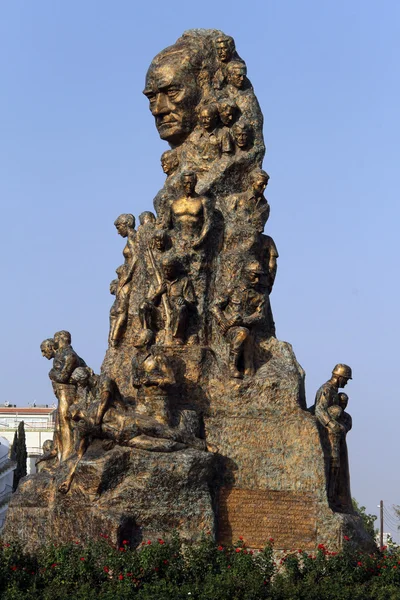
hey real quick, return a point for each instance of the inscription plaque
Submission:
(257, 515)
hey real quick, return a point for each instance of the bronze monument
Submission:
(198, 420)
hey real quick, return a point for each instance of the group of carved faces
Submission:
(175, 87)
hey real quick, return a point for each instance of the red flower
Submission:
(156, 568)
(165, 562)
(125, 543)
(129, 574)
(161, 541)
(122, 549)
(271, 540)
(251, 552)
(238, 549)
(14, 568)
(359, 564)
(53, 565)
(240, 537)
(300, 551)
(106, 569)
(120, 577)
(229, 566)
(321, 547)
(148, 542)
(394, 567)
(346, 537)
(82, 558)
(220, 548)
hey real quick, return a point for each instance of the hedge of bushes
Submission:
(206, 571)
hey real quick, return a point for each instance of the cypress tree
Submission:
(20, 454)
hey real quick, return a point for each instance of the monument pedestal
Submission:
(126, 494)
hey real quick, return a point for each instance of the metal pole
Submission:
(381, 524)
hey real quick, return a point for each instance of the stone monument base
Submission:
(126, 494)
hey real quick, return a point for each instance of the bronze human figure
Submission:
(238, 313)
(152, 376)
(209, 142)
(66, 360)
(125, 225)
(251, 207)
(328, 411)
(191, 214)
(176, 290)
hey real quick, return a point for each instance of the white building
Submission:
(39, 424)
(7, 468)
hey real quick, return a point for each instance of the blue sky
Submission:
(78, 147)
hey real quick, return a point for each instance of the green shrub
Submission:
(164, 570)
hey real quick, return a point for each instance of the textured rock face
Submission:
(126, 494)
(198, 421)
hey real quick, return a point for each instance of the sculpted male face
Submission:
(47, 349)
(169, 163)
(227, 114)
(224, 47)
(237, 75)
(241, 136)
(253, 274)
(208, 118)
(259, 185)
(173, 92)
(189, 184)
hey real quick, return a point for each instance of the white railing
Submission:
(28, 424)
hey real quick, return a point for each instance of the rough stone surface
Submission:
(126, 494)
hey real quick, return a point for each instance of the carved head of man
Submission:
(225, 47)
(171, 267)
(123, 223)
(62, 339)
(342, 373)
(236, 74)
(160, 240)
(227, 112)
(48, 349)
(169, 162)
(253, 271)
(188, 181)
(47, 446)
(242, 134)
(173, 89)
(259, 181)
(147, 217)
(208, 116)
(144, 339)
